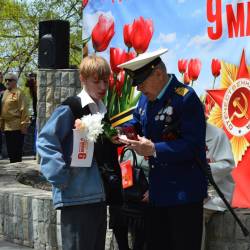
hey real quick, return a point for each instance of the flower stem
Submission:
(214, 82)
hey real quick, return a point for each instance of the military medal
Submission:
(169, 110)
(162, 117)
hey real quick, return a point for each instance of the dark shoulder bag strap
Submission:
(124, 150)
(74, 102)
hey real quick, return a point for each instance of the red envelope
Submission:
(127, 174)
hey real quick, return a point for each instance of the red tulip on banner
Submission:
(127, 31)
(142, 33)
(117, 56)
(120, 82)
(186, 79)
(182, 65)
(111, 81)
(130, 55)
(215, 67)
(194, 68)
(103, 33)
(84, 3)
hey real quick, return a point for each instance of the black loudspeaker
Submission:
(53, 50)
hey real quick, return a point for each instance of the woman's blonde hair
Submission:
(94, 66)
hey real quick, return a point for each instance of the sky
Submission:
(179, 25)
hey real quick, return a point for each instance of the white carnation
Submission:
(93, 125)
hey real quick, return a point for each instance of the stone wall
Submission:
(29, 220)
(54, 86)
(27, 216)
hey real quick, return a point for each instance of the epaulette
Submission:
(181, 91)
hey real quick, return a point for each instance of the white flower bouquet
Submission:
(91, 125)
(87, 129)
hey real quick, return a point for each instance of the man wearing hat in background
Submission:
(14, 118)
(170, 123)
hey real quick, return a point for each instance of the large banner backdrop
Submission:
(209, 48)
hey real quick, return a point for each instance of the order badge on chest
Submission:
(165, 114)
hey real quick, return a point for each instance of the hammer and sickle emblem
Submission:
(243, 109)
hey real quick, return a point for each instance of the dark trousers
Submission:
(175, 228)
(121, 235)
(14, 143)
(122, 224)
(84, 227)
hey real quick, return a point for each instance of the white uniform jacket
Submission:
(221, 160)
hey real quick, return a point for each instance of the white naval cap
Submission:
(141, 67)
(142, 60)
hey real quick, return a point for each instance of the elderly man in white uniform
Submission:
(221, 160)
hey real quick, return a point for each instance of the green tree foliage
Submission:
(19, 31)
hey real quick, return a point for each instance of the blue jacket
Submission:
(71, 185)
(174, 177)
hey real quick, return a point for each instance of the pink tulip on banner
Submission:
(102, 33)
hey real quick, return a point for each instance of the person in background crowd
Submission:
(32, 85)
(2, 89)
(170, 122)
(14, 118)
(221, 160)
(79, 191)
(2, 86)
